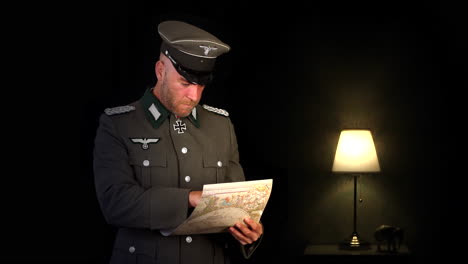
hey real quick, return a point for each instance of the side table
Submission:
(331, 253)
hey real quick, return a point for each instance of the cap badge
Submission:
(208, 49)
(144, 141)
(179, 126)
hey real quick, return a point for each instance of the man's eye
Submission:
(185, 84)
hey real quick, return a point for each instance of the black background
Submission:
(296, 76)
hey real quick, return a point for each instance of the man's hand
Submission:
(247, 233)
(194, 198)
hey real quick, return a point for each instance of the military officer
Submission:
(153, 156)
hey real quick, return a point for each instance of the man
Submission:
(153, 156)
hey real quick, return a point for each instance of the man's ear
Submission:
(159, 69)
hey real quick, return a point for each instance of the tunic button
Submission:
(184, 150)
(146, 163)
(187, 178)
(188, 239)
(220, 164)
(131, 249)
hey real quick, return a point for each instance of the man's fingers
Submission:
(251, 223)
(239, 236)
(254, 226)
(247, 232)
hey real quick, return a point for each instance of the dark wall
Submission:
(294, 78)
(384, 75)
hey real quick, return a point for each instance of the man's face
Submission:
(177, 94)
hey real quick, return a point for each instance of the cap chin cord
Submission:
(195, 77)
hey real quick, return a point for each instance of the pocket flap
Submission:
(149, 161)
(212, 161)
(136, 242)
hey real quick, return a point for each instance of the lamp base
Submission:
(354, 242)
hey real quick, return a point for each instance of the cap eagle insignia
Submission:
(208, 49)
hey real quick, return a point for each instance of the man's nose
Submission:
(194, 92)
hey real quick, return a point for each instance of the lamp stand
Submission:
(354, 241)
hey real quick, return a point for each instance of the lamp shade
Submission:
(356, 153)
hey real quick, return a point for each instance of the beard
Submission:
(181, 107)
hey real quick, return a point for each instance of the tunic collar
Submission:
(156, 112)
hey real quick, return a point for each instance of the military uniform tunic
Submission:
(146, 161)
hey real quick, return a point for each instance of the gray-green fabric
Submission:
(190, 46)
(142, 158)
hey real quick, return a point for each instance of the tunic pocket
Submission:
(134, 246)
(215, 167)
(150, 170)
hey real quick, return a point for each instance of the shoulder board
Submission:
(216, 110)
(119, 110)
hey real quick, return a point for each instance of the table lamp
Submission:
(355, 155)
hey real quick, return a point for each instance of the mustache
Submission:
(189, 102)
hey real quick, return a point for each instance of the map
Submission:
(223, 204)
